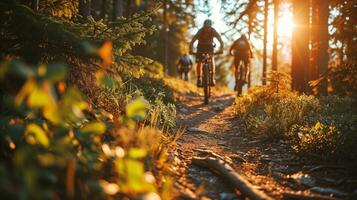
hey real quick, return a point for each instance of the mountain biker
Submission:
(205, 44)
(184, 65)
(241, 50)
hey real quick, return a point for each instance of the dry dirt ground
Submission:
(266, 164)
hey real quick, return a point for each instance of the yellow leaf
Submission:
(36, 135)
(106, 53)
(94, 127)
(26, 89)
(137, 109)
(38, 98)
(137, 153)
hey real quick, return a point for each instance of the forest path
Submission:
(214, 127)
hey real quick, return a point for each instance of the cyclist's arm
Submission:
(195, 37)
(232, 47)
(250, 49)
(219, 40)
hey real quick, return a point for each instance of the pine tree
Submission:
(300, 45)
(275, 37)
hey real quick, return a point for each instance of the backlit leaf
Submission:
(36, 135)
(137, 153)
(106, 53)
(137, 109)
(94, 127)
(38, 98)
(26, 89)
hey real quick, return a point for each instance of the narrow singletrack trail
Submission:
(215, 127)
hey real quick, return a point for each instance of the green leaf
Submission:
(56, 72)
(36, 135)
(107, 81)
(137, 109)
(137, 153)
(19, 69)
(94, 128)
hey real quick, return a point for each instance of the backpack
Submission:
(242, 46)
(206, 35)
(185, 61)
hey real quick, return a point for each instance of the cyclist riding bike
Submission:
(184, 66)
(242, 52)
(205, 44)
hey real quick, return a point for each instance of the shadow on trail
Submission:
(205, 112)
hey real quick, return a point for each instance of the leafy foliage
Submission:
(324, 125)
(55, 145)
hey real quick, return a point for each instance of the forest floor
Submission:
(271, 166)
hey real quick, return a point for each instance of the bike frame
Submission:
(207, 75)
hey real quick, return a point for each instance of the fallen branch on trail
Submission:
(300, 196)
(239, 182)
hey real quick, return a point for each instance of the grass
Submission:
(321, 125)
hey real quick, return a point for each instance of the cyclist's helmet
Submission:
(207, 22)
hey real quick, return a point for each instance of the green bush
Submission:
(325, 125)
(55, 145)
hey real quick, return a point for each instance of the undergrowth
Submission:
(57, 144)
(322, 125)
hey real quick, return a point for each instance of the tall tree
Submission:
(118, 8)
(323, 56)
(274, 59)
(84, 9)
(35, 4)
(265, 41)
(300, 45)
(166, 36)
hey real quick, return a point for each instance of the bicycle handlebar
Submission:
(214, 54)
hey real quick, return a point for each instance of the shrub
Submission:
(325, 125)
(55, 145)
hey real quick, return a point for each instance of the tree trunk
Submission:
(312, 73)
(275, 38)
(165, 27)
(250, 30)
(265, 41)
(128, 8)
(118, 8)
(84, 10)
(35, 4)
(103, 9)
(323, 36)
(300, 45)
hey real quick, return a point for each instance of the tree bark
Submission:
(228, 173)
(312, 73)
(265, 42)
(35, 5)
(275, 37)
(166, 37)
(118, 8)
(323, 35)
(300, 45)
(84, 10)
(103, 10)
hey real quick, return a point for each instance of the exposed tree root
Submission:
(240, 183)
(300, 196)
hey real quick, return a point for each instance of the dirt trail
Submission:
(214, 127)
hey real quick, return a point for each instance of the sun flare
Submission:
(286, 22)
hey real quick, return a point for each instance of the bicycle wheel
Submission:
(205, 82)
(239, 81)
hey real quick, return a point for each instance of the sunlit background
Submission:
(215, 11)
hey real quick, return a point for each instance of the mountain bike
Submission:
(239, 78)
(207, 74)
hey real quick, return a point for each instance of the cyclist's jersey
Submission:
(206, 36)
(241, 47)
